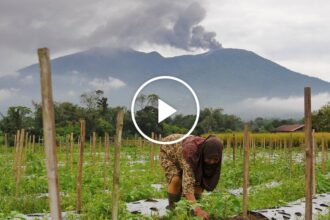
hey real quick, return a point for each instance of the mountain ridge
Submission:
(221, 78)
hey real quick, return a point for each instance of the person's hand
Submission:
(201, 213)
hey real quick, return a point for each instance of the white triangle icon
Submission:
(164, 110)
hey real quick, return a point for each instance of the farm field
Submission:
(276, 177)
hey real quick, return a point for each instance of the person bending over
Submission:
(191, 166)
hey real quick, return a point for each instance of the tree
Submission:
(140, 101)
(147, 119)
(153, 100)
(90, 99)
(102, 104)
(17, 117)
(321, 118)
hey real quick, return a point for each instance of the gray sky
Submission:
(293, 33)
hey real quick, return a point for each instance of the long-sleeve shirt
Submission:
(172, 160)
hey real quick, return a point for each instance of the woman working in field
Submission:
(191, 166)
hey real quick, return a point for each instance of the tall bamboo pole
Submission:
(80, 165)
(309, 154)
(49, 132)
(115, 188)
(246, 172)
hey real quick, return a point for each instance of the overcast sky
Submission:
(295, 33)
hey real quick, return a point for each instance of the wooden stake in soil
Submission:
(152, 152)
(27, 140)
(17, 138)
(309, 154)
(115, 188)
(314, 156)
(33, 143)
(80, 165)
(246, 172)
(290, 153)
(71, 150)
(234, 148)
(94, 150)
(106, 159)
(228, 145)
(49, 132)
(19, 161)
(254, 151)
(323, 155)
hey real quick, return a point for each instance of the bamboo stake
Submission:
(152, 153)
(27, 140)
(115, 188)
(17, 138)
(234, 148)
(80, 165)
(106, 160)
(30, 142)
(67, 151)
(228, 145)
(71, 151)
(19, 161)
(33, 143)
(94, 151)
(290, 154)
(49, 133)
(264, 143)
(323, 156)
(309, 154)
(314, 154)
(326, 149)
(246, 172)
(100, 147)
(254, 151)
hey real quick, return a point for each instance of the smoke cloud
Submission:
(162, 23)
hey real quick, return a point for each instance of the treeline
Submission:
(100, 117)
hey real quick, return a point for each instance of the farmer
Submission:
(190, 167)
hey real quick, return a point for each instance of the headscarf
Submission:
(195, 151)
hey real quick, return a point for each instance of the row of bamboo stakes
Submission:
(309, 161)
(50, 144)
(282, 144)
(247, 143)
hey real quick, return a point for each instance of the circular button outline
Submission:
(177, 80)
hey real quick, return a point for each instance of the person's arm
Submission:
(188, 183)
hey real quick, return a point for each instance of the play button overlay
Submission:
(165, 105)
(164, 110)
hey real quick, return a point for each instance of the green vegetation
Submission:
(137, 177)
